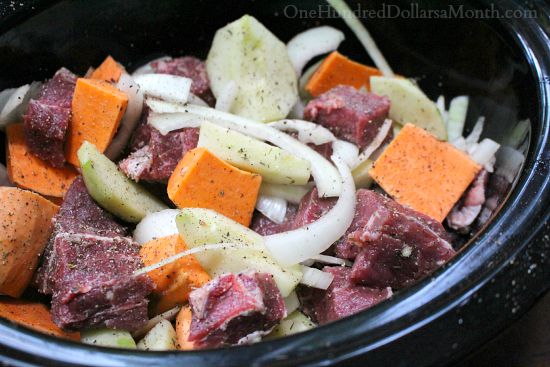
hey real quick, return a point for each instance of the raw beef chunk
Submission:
(342, 298)
(235, 309)
(47, 118)
(88, 268)
(350, 114)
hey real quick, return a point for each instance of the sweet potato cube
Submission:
(202, 180)
(109, 71)
(26, 222)
(30, 172)
(336, 70)
(421, 172)
(97, 110)
(35, 316)
(173, 281)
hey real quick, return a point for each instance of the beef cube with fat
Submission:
(350, 114)
(47, 118)
(78, 213)
(88, 268)
(235, 309)
(341, 299)
(157, 155)
(94, 285)
(394, 245)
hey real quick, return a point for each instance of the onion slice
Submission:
(363, 35)
(156, 225)
(171, 88)
(272, 207)
(227, 97)
(291, 302)
(313, 42)
(16, 104)
(348, 151)
(315, 278)
(509, 162)
(308, 132)
(484, 153)
(194, 99)
(128, 86)
(474, 136)
(291, 193)
(163, 121)
(301, 244)
(332, 260)
(326, 176)
(194, 250)
(456, 117)
(167, 315)
(376, 142)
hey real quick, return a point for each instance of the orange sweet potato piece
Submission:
(30, 172)
(34, 316)
(183, 328)
(175, 280)
(202, 180)
(337, 69)
(109, 71)
(97, 109)
(424, 173)
(26, 222)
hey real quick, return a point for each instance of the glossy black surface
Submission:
(503, 63)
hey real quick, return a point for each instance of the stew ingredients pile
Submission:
(196, 204)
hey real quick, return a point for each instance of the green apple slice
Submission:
(112, 190)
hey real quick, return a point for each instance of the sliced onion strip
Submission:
(484, 153)
(165, 122)
(171, 88)
(168, 315)
(194, 250)
(315, 278)
(227, 97)
(291, 193)
(509, 162)
(156, 225)
(332, 260)
(16, 104)
(291, 302)
(348, 151)
(308, 132)
(474, 136)
(376, 142)
(193, 99)
(128, 86)
(363, 35)
(325, 174)
(272, 207)
(301, 244)
(311, 43)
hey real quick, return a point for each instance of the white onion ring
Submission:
(313, 42)
(156, 225)
(301, 244)
(308, 132)
(128, 86)
(170, 88)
